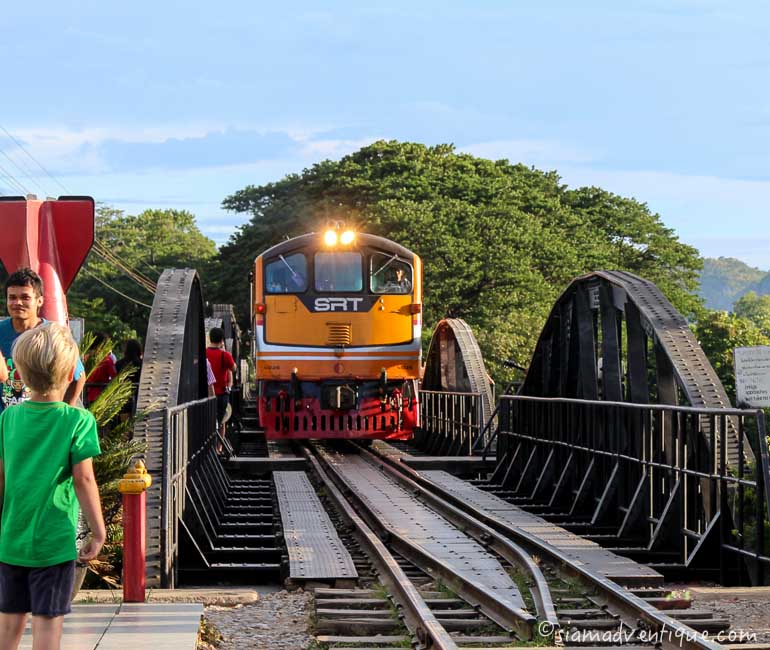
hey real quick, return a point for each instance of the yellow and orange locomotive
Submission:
(337, 320)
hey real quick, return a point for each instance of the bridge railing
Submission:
(189, 430)
(654, 473)
(450, 423)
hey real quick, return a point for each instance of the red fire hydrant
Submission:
(133, 486)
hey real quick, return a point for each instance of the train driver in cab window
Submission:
(397, 280)
(389, 274)
(401, 283)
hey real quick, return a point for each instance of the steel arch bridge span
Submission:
(456, 396)
(614, 336)
(173, 373)
(454, 363)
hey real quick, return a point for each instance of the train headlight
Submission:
(347, 237)
(330, 237)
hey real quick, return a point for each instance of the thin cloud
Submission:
(218, 230)
(716, 215)
(737, 203)
(108, 151)
(230, 147)
(751, 250)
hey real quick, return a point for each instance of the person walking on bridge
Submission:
(223, 365)
(103, 373)
(24, 298)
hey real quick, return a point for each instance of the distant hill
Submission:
(725, 279)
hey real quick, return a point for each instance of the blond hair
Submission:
(46, 357)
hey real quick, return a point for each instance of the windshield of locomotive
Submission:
(286, 274)
(389, 274)
(338, 272)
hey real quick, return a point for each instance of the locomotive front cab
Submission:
(337, 338)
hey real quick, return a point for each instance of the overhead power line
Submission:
(25, 172)
(35, 160)
(128, 274)
(111, 288)
(110, 258)
(106, 251)
(100, 250)
(15, 183)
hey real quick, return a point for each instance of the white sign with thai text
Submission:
(752, 376)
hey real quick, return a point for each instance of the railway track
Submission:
(448, 578)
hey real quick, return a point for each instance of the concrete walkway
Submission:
(130, 626)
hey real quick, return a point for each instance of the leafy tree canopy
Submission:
(755, 308)
(499, 241)
(150, 242)
(719, 333)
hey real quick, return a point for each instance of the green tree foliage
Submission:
(719, 333)
(149, 243)
(755, 308)
(638, 241)
(500, 241)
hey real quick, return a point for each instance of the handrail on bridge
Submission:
(651, 471)
(450, 422)
(188, 430)
(488, 424)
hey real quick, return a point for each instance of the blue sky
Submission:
(179, 104)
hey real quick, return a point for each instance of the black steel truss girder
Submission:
(172, 373)
(659, 361)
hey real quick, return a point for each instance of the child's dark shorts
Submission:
(44, 591)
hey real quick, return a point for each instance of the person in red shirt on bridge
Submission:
(223, 365)
(102, 374)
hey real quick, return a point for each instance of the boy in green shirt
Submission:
(46, 447)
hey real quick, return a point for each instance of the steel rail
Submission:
(417, 615)
(510, 618)
(672, 634)
(485, 535)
